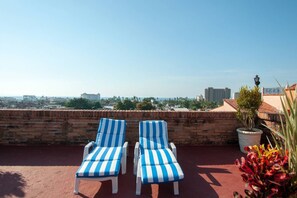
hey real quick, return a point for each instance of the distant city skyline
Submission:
(152, 48)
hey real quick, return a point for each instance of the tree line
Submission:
(135, 103)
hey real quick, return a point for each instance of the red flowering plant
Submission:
(265, 171)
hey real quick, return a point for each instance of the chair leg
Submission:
(114, 182)
(124, 163)
(138, 179)
(138, 185)
(76, 186)
(136, 158)
(175, 187)
(134, 168)
(135, 165)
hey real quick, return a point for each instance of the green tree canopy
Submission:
(145, 105)
(125, 105)
(195, 105)
(81, 103)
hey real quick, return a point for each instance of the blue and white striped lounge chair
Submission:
(102, 159)
(155, 159)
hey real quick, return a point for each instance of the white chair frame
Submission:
(137, 168)
(113, 179)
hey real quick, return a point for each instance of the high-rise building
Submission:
(235, 95)
(217, 95)
(93, 97)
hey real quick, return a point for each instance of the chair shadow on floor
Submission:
(12, 184)
(209, 174)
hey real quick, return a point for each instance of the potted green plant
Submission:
(248, 102)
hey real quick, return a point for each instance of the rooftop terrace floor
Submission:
(48, 171)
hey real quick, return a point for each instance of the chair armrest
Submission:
(173, 148)
(87, 149)
(125, 149)
(136, 149)
(125, 146)
(136, 157)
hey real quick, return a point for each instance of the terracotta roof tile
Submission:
(292, 87)
(267, 108)
(264, 108)
(232, 103)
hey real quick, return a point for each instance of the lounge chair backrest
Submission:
(111, 133)
(153, 134)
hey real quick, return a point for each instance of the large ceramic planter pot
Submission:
(248, 138)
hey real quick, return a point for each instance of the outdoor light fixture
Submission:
(257, 80)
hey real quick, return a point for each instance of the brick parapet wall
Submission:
(80, 126)
(272, 121)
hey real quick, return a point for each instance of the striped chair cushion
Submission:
(105, 153)
(99, 168)
(157, 157)
(161, 173)
(111, 133)
(153, 134)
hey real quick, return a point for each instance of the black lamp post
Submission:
(257, 80)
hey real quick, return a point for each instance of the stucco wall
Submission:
(274, 100)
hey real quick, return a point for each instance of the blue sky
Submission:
(160, 48)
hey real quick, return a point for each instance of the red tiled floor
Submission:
(48, 171)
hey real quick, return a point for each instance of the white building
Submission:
(93, 97)
(199, 98)
(180, 109)
(108, 107)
